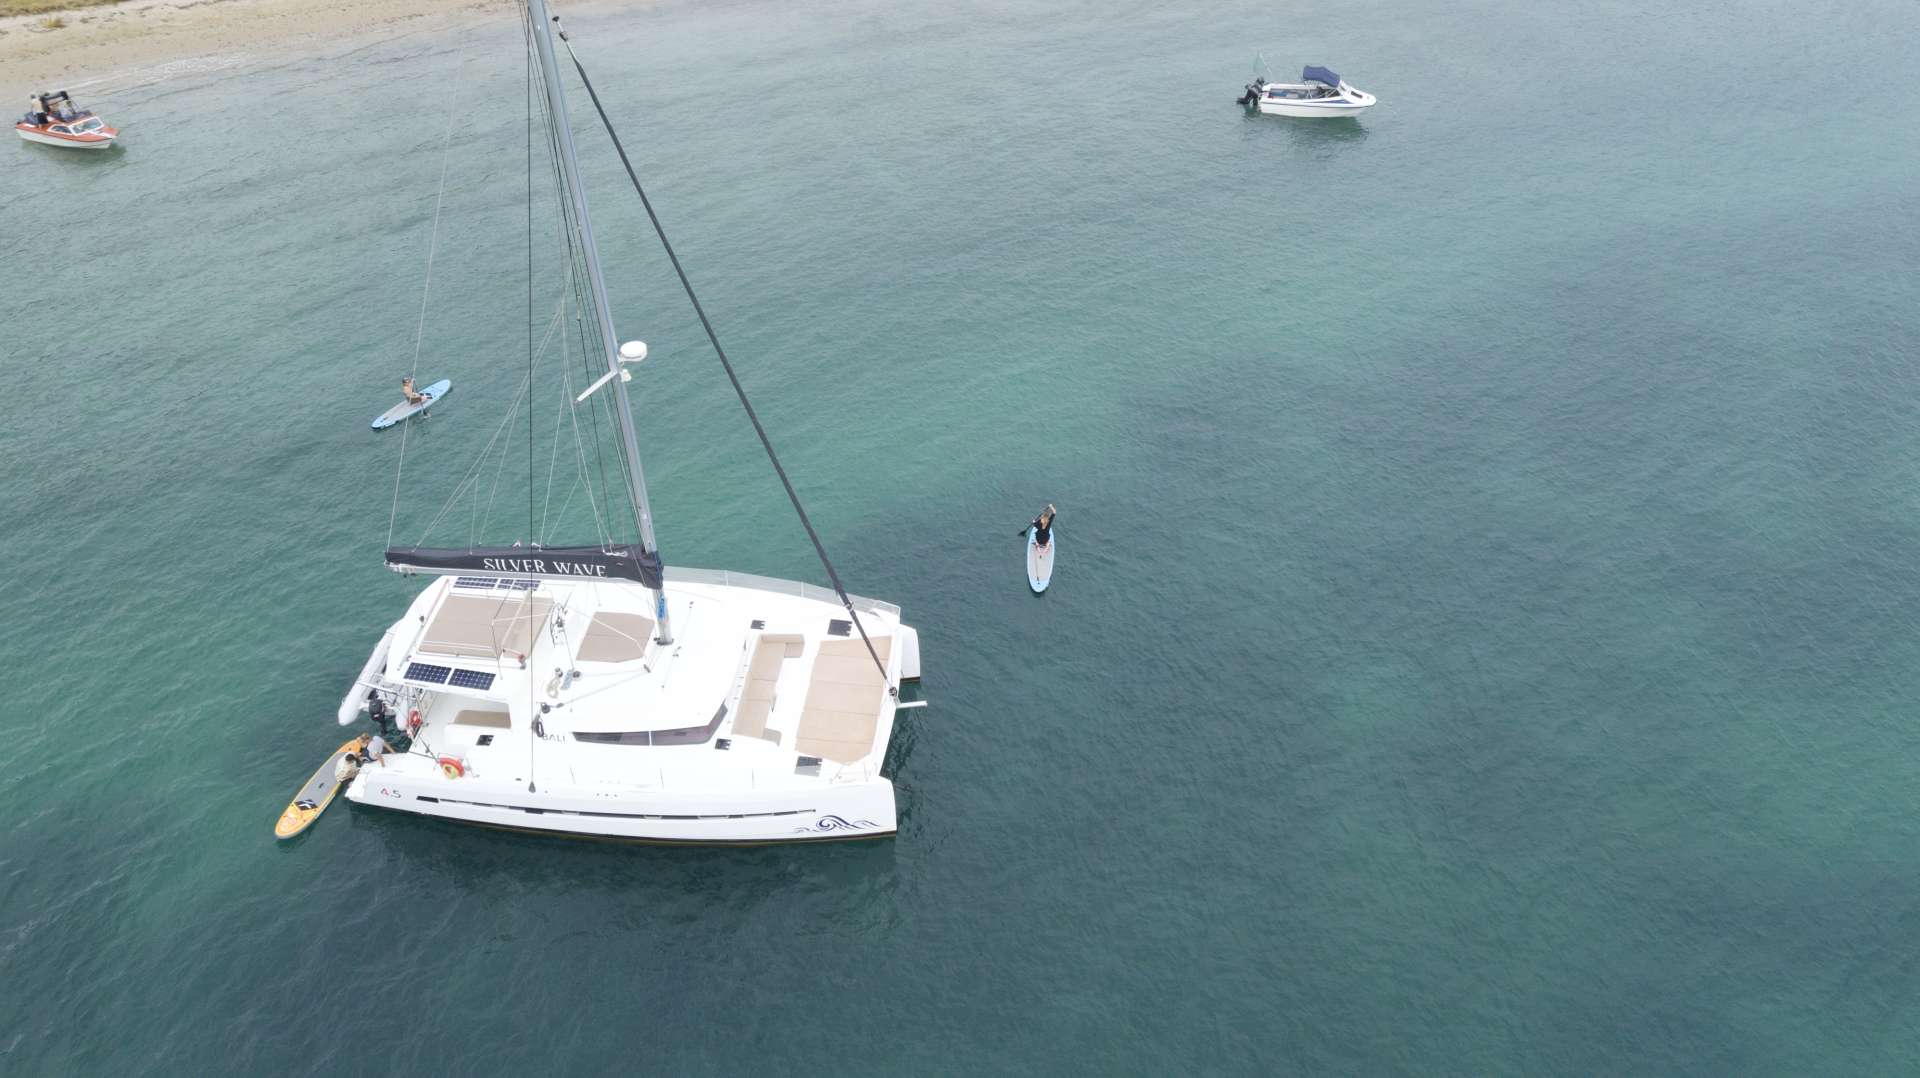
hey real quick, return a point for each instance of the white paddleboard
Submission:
(401, 411)
(1040, 561)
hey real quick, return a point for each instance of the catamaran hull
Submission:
(70, 142)
(849, 811)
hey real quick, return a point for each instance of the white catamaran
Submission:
(588, 690)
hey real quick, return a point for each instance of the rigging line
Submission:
(534, 731)
(553, 464)
(568, 504)
(765, 441)
(472, 477)
(500, 470)
(602, 405)
(553, 455)
(527, 22)
(525, 392)
(419, 330)
(576, 272)
(580, 455)
(506, 428)
(603, 529)
(588, 334)
(473, 469)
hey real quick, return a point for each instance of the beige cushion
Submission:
(616, 637)
(763, 673)
(493, 720)
(752, 720)
(484, 626)
(842, 710)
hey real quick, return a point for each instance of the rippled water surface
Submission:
(1483, 639)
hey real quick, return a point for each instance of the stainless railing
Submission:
(730, 579)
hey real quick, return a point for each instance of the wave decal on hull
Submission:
(835, 823)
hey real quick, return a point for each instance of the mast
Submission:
(570, 169)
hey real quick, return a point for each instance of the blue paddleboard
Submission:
(401, 411)
(1040, 562)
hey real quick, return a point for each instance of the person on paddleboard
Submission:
(414, 396)
(1042, 527)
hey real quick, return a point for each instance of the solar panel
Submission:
(471, 679)
(483, 582)
(428, 672)
(522, 585)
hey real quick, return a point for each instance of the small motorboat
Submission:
(53, 119)
(1320, 94)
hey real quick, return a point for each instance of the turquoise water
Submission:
(1483, 636)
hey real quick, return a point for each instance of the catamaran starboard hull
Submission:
(862, 810)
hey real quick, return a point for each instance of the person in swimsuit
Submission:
(414, 396)
(1042, 527)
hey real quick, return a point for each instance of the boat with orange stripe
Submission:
(54, 120)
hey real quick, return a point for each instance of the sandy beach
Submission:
(104, 43)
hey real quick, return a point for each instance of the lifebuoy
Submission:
(451, 767)
(413, 722)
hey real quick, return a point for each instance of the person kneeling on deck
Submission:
(373, 747)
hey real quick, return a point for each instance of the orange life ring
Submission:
(413, 722)
(451, 767)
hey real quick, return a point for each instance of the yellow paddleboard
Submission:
(314, 797)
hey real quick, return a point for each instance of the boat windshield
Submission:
(91, 123)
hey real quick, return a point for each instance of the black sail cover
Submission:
(628, 562)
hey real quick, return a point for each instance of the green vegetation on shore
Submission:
(39, 7)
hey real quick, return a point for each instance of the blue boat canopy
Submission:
(1319, 74)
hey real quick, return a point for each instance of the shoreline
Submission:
(104, 44)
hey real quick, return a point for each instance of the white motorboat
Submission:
(1320, 94)
(587, 690)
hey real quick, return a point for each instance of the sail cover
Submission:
(1319, 74)
(628, 562)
